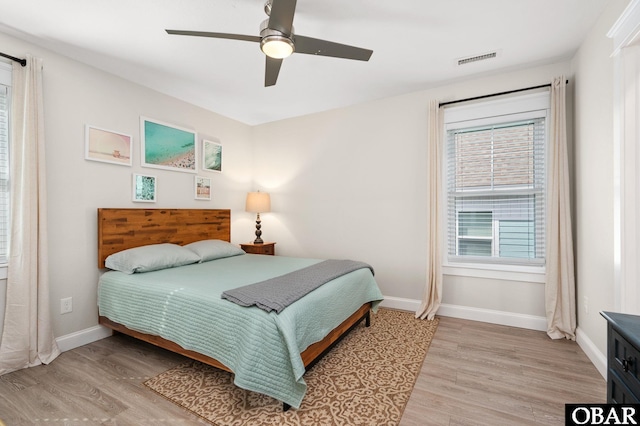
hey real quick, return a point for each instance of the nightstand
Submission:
(264, 248)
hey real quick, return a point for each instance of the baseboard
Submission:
(474, 314)
(401, 304)
(82, 337)
(597, 358)
(511, 319)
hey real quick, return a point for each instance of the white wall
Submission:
(594, 176)
(75, 95)
(352, 183)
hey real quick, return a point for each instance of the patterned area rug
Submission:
(366, 379)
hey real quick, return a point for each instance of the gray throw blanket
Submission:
(277, 293)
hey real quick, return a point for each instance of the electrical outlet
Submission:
(66, 305)
(586, 304)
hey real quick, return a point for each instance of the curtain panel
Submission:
(27, 337)
(560, 293)
(432, 295)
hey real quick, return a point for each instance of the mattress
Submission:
(184, 305)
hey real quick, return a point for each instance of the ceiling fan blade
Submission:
(272, 70)
(314, 46)
(281, 17)
(215, 35)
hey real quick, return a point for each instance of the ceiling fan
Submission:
(278, 41)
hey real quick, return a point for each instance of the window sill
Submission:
(532, 274)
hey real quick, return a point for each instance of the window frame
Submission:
(529, 106)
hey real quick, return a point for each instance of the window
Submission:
(5, 105)
(496, 182)
(475, 233)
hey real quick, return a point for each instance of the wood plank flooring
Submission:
(484, 374)
(474, 374)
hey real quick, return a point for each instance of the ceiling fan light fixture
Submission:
(277, 46)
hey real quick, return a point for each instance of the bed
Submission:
(180, 308)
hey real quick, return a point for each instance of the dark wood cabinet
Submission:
(623, 358)
(265, 248)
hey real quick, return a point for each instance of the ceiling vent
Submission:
(477, 58)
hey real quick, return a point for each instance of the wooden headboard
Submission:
(120, 229)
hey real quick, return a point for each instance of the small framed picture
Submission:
(144, 188)
(211, 156)
(167, 146)
(107, 146)
(203, 188)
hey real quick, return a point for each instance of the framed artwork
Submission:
(144, 188)
(107, 146)
(202, 188)
(166, 146)
(211, 156)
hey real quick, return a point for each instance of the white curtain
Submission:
(27, 337)
(432, 295)
(560, 293)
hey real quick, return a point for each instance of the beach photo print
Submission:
(107, 146)
(211, 156)
(166, 146)
(203, 188)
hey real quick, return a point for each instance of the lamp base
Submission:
(258, 240)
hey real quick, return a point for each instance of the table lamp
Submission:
(258, 202)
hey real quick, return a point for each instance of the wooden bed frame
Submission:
(120, 229)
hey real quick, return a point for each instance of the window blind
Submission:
(4, 172)
(496, 192)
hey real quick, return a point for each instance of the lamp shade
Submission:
(258, 202)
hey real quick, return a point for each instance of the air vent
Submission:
(477, 58)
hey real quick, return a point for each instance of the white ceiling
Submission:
(415, 45)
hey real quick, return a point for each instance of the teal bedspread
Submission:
(263, 349)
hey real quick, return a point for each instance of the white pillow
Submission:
(151, 258)
(214, 249)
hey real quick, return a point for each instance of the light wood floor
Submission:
(474, 374)
(483, 374)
